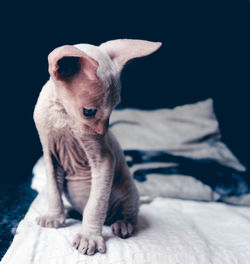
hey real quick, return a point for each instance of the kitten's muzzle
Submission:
(102, 127)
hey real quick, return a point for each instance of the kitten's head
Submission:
(87, 78)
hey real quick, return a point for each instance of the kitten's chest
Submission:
(70, 155)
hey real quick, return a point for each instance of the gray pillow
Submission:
(190, 131)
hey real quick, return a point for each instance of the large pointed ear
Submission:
(67, 61)
(123, 50)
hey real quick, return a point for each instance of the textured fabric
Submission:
(170, 230)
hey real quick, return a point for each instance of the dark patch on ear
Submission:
(67, 67)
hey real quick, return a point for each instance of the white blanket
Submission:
(170, 230)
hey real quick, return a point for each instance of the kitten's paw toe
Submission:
(52, 221)
(89, 244)
(122, 228)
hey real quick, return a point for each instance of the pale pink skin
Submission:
(82, 157)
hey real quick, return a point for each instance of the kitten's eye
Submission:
(89, 112)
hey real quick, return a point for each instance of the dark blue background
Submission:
(205, 53)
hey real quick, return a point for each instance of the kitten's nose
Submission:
(102, 127)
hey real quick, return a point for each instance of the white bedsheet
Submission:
(170, 231)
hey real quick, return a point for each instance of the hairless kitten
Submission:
(83, 159)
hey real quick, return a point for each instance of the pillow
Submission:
(186, 135)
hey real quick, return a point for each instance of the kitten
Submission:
(82, 157)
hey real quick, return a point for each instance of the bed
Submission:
(194, 196)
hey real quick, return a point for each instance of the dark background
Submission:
(205, 53)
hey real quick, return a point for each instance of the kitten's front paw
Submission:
(53, 221)
(122, 229)
(89, 244)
